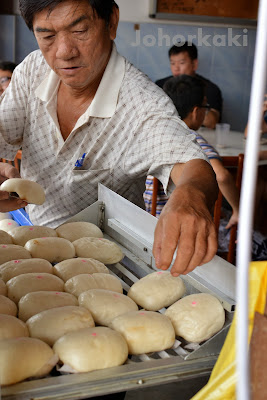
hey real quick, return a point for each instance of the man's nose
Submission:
(66, 48)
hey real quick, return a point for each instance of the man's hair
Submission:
(28, 8)
(186, 93)
(7, 66)
(182, 47)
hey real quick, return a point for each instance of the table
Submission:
(236, 143)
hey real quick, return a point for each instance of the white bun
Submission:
(11, 327)
(157, 290)
(3, 288)
(7, 306)
(75, 266)
(76, 230)
(8, 224)
(92, 349)
(32, 282)
(27, 190)
(50, 325)
(10, 252)
(14, 268)
(81, 283)
(5, 237)
(22, 234)
(35, 302)
(103, 250)
(106, 305)
(196, 317)
(6, 215)
(38, 359)
(52, 249)
(145, 331)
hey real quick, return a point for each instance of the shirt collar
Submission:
(105, 100)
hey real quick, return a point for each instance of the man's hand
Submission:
(186, 220)
(6, 203)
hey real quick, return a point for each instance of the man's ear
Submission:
(114, 21)
(195, 64)
(194, 114)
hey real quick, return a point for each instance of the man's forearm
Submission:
(197, 176)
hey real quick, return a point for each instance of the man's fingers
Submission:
(7, 171)
(165, 243)
(212, 246)
(7, 204)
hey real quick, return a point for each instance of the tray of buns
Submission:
(135, 326)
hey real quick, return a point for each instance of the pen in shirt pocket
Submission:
(79, 162)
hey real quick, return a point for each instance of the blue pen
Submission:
(79, 162)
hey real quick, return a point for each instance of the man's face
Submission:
(5, 77)
(75, 43)
(182, 64)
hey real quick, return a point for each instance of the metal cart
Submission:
(133, 230)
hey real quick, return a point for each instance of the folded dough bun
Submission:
(22, 234)
(35, 302)
(10, 252)
(157, 290)
(14, 268)
(75, 266)
(11, 327)
(3, 288)
(23, 358)
(32, 282)
(8, 224)
(105, 305)
(5, 237)
(100, 249)
(27, 190)
(7, 306)
(196, 317)
(91, 349)
(145, 331)
(81, 283)
(50, 325)
(52, 249)
(76, 230)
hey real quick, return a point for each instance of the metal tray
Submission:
(133, 230)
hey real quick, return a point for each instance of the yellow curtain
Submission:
(222, 382)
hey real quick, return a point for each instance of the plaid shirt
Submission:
(130, 130)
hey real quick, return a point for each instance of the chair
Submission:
(235, 165)
(16, 162)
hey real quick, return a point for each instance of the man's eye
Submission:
(50, 37)
(81, 31)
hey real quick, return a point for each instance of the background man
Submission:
(183, 60)
(188, 95)
(6, 71)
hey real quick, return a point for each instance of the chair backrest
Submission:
(16, 162)
(235, 164)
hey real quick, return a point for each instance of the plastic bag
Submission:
(222, 382)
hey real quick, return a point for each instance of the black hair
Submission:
(186, 92)
(7, 66)
(182, 47)
(28, 8)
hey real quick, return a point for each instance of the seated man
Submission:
(188, 95)
(183, 60)
(6, 71)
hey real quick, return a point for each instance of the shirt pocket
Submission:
(85, 181)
